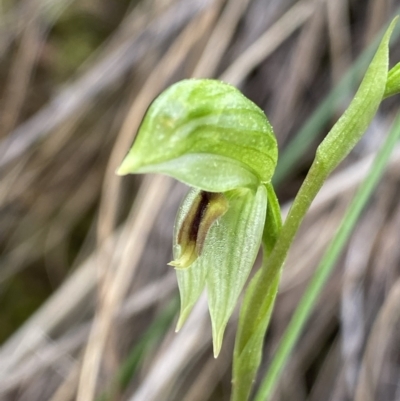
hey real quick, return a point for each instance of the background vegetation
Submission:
(87, 303)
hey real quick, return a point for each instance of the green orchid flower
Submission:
(206, 134)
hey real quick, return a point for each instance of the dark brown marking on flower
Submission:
(199, 214)
(217, 205)
(185, 234)
(206, 208)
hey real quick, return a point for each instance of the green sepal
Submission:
(191, 281)
(206, 134)
(232, 247)
(228, 254)
(247, 360)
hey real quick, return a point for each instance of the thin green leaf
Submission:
(306, 136)
(352, 124)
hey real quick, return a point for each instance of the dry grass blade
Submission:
(378, 12)
(299, 72)
(66, 390)
(68, 299)
(148, 202)
(20, 73)
(54, 352)
(99, 77)
(268, 42)
(13, 22)
(383, 332)
(339, 33)
(352, 305)
(220, 39)
(177, 352)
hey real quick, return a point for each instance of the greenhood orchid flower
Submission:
(206, 134)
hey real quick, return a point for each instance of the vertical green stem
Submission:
(259, 298)
(336, 146)
(301, 204)
(309, 298)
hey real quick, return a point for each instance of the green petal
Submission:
(230, 251)
(247, 360)
(206, 134)
(191, 284)
(191, 276)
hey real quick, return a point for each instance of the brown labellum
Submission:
(206, 208)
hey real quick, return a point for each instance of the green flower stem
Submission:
(311, 186)
(258, 303)
(260, 300)
(326, 265)
(342, 138)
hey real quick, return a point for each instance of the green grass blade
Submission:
(326, 265)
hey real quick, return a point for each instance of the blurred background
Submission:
(87, 302)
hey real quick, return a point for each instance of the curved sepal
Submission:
(227, 256)
(206, 134)
(232, 247)
(196, 216)
(191, 283)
